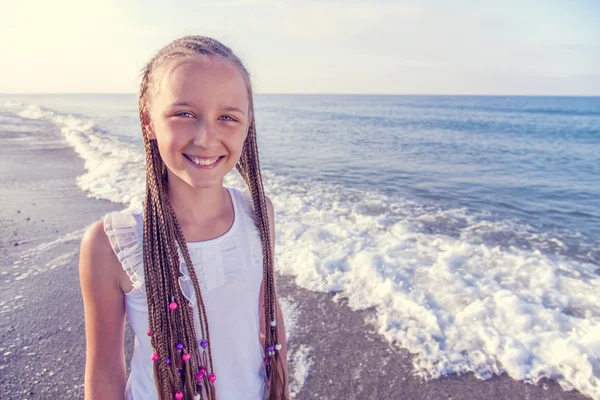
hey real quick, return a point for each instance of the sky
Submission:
(503, 47)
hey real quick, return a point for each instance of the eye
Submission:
(227, 118)
(185, 114)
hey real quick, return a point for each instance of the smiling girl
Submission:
(192, 266)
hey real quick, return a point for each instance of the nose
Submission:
(205, 135)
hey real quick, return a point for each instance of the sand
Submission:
(42, 342)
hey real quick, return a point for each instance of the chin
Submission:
(205, 184)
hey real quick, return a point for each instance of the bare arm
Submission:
(280, 323)
(103, 301)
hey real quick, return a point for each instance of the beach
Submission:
(44, 213)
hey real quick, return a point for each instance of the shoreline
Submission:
(42, 329)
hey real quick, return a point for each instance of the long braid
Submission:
(173, 327)
(249, 168)
(168, 327)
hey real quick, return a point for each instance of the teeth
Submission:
(204, 161)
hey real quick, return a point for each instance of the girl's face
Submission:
(199, 115)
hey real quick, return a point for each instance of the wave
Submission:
(461, 291)
(114, 168)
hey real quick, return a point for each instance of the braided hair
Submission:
(183, 367)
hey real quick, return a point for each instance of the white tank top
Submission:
(229, 270)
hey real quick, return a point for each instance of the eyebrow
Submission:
(186, 104)
(234, 109)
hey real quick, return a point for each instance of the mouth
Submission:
(203, 162)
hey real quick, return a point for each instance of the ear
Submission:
(148, 124)
(149, 132)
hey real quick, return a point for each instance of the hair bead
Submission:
(186, 357)
(162, 234)
(155, 357)
(179, 395)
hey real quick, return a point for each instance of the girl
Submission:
(191, 267)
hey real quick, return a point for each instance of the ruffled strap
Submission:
(124, 230)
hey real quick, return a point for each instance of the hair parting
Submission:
(183, 366)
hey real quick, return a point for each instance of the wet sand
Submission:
(42, 342)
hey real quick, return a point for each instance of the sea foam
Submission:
(463, 292)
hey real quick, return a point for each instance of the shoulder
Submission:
(248, 205)
(270, 209)
(95, 240)
(246, 199)
(98, 264)
(271, 214)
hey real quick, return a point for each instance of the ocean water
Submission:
(471, 225)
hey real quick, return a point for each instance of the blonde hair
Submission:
(172, 331)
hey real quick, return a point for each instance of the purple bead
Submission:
(179, 372)
(168, 361)
(271, 348)
(204, 344)
(179, 346)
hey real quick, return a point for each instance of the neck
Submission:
(194, 206)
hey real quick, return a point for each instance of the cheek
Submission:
(236, 142)
(168, 147)
(171, 137)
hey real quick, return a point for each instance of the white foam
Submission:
(302, 362)
(298, 354)
(111, 164)
(459, 306)
(291, 313)
(39, 259)
(463, 292)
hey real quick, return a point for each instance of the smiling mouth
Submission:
(204, 161)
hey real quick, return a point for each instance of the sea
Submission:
(469, 225)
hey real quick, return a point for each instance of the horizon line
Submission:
(319, 94)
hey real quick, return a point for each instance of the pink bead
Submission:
(266, 360)
(202, 370)
(186, 357)
(199, 376)
(149, 332)
(172, 306)
(212, 377)
(155, 357)
(179, 395)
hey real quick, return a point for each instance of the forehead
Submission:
(197, 79)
